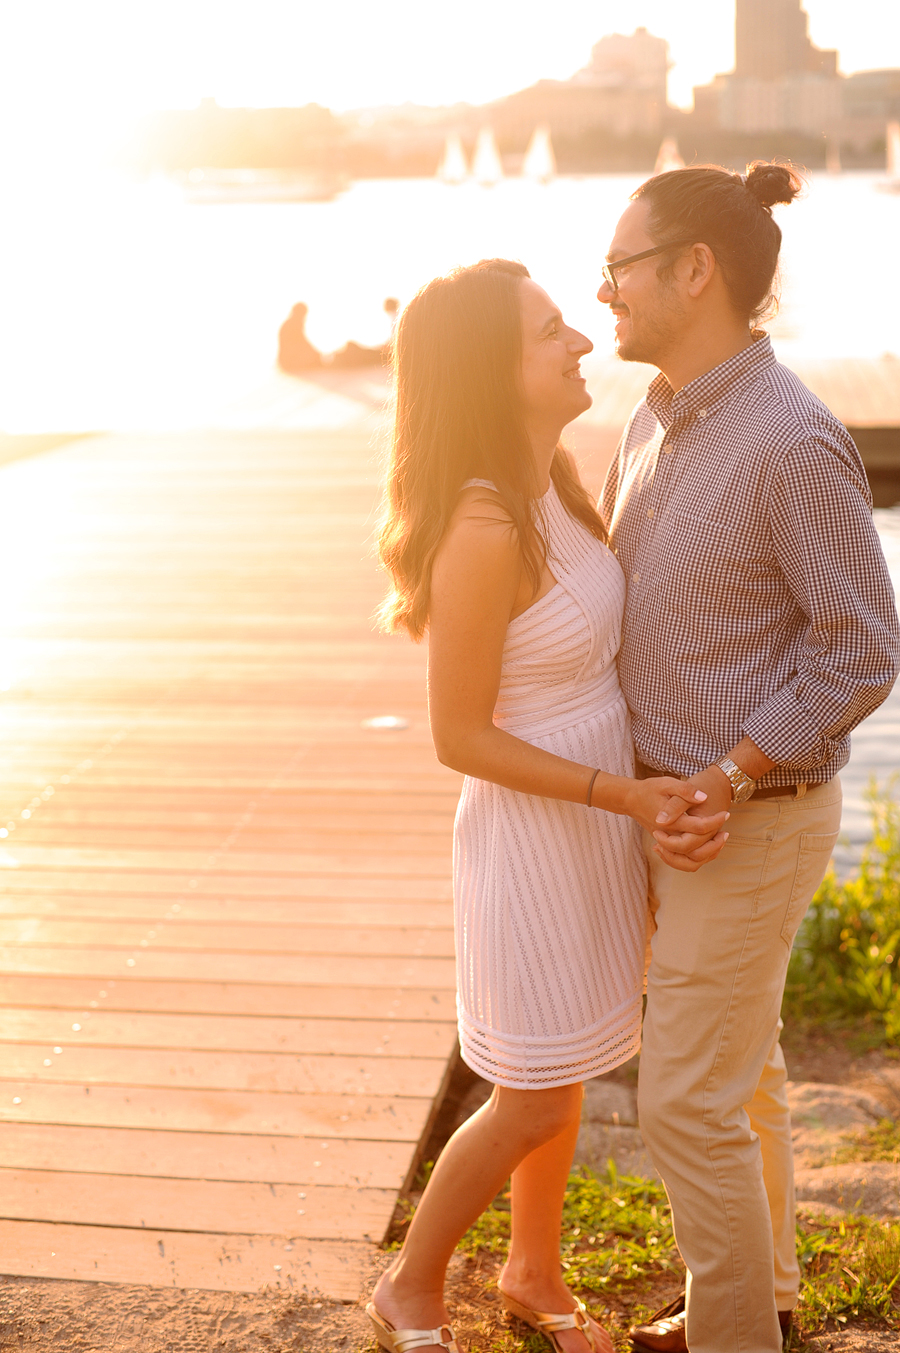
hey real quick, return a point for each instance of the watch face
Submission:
(745, 792)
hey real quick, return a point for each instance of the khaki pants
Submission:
(711, 1098)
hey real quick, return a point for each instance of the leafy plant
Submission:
(845, 962)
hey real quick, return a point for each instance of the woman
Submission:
(494, 546)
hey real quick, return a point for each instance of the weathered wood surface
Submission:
(226, 973)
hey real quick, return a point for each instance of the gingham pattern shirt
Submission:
(759, 602)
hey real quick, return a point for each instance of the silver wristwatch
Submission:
(742, 787)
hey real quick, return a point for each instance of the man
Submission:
(760, 628)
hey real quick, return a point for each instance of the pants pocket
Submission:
(812, 861)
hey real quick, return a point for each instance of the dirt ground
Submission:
(43, 1316)
(39, 1315)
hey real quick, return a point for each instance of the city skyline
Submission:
(77, 74)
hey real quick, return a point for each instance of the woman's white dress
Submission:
(551, 897)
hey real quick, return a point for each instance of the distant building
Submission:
(630, 74)
(620, 95)
(780, 81)
(772, 42)
(871, 100)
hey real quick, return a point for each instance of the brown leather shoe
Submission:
(664, 1331)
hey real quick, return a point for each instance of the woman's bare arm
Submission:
(477, 584)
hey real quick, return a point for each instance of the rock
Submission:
(872, 1187)
(825, 1117)
(890, 1079)
(607, 1101)
(600, 1142)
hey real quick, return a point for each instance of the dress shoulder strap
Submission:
(478, 483)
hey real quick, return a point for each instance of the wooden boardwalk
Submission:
(226, 975)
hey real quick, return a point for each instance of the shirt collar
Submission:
(703, 395)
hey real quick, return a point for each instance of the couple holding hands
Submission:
(650, 699)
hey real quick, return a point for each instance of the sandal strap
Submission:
(404, 1341)
(443, 1336)
(572, 1320)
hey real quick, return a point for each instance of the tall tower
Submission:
(772, 41)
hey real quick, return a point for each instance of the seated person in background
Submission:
(295, 352)
(354, 354)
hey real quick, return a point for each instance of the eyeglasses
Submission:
(609, 270)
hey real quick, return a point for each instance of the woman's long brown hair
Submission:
(460, 415)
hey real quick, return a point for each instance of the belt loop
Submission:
(801, 791)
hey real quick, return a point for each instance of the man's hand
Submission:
(678, 842)
(663, 797)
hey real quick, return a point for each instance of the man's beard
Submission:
(657, 334)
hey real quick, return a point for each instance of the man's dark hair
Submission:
(732, 215)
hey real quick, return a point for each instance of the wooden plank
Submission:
(235, 910)
(177, 1154)
(331, 1073)
(313, 1212)
(84, 995)
(217, 937)
(224, 1262)
(323, 970)
(211, 883)
(229, 1033)
(283, 1115)
(312, 862)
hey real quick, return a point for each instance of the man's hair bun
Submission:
(771, 183)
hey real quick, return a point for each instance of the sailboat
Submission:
(487, 168)
(540, 162)
(892, 136)
(668, 157)
(453, 167)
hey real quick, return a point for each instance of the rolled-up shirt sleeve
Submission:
(825, 541)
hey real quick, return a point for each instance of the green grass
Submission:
(881, 1142)
(618, 1244)
(844, 967)
(851, 1270)
(616, 1229)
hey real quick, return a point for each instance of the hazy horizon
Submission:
(77, 74)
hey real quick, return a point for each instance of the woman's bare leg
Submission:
(532, 1273)
(476, 1162)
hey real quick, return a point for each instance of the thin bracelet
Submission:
(591, 786)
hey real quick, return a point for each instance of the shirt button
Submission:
(667, 450)
(702, 413)
(636, 577)
(650, 511)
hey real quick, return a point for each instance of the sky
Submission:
(73, 73)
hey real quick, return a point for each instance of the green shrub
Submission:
(845, 960)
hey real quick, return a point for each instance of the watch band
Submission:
(742, 786)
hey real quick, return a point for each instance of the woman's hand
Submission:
(692, 837)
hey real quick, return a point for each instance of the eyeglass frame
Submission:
(609, 269)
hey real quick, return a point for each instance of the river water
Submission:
(124, 307)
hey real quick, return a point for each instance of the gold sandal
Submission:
(547, 1324)
(403, 1341)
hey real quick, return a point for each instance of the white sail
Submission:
(540, 162)
(893, 151)
(486, 165)
(668, 157)
(453, 167)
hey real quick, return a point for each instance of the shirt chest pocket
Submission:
(702, 566)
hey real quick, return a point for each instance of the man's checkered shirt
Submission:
(759, 602)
